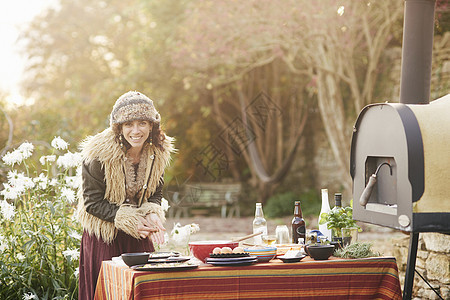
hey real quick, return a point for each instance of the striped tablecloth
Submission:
(370, 278)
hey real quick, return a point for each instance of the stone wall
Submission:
(432, 262)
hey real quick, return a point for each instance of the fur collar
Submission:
(104, 147)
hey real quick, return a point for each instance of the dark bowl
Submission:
(138, 258)
(319, 252)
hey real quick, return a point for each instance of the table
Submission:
(369, 278)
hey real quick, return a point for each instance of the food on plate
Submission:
(238, 250)
(292, 253)
(217, 250)
(226, 250)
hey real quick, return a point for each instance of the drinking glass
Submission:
(269, 239)
(282, 234)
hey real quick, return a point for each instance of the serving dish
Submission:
(289, 259)
(237, 261)
(172, 259)
(202, 249)
(137, 258)
(320, 252)
(264, 254)
(159, 255)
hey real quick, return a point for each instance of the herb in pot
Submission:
(356, 250)
(338, 218)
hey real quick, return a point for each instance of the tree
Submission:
(233, 51)
(334, 50)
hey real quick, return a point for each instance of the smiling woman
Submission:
(123, 167)
(136, 134)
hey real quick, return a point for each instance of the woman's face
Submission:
(136, 132)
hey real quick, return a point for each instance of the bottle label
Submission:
(301, 231)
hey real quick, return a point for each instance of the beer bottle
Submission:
(298, 225)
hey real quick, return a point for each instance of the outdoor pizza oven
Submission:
(400, 152)
(400, 165)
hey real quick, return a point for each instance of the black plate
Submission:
(291, 259)
(232, 262)
(165, 267)
(229, 255)
(232, 259)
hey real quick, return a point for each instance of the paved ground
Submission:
(216, 228)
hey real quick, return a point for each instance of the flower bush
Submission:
(39, 238)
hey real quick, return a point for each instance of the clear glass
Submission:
(282, 234)
(269, 240)
(259, 224)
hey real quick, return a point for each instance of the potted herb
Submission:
(340, 218)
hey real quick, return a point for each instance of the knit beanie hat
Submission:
(133, 106)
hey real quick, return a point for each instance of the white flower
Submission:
(75, 235)
(69, 194)
(20, 256)
(53, 182)
(41, 181)
(193, 228)
(56, 228)
(73, 181)
(59, 143)
(47, 158)
(29, 296)
(181, 234)
(8, 210)
(10, 192)
(26, 149)
(73, 254)
(69, 160)
(77, 272)
(12, 158)
(28, 182)
(3, 243)
(165, 204)
(20, 181)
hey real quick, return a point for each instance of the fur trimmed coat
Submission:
(104, 205)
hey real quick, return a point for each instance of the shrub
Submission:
(281, 205)
(39, 239)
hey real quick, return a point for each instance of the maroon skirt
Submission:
(93, 251)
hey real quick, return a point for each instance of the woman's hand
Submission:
(156, 236)
(145, 227)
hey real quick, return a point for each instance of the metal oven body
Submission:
(400, 165)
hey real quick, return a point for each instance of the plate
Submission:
(291, 259)
(232, 261)
(159, 255)
(165, 267)
(229, 255)
(171, 259)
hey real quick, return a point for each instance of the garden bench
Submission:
(202, 197)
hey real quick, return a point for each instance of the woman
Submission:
(120, 199)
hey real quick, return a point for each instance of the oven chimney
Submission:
(418, 31)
